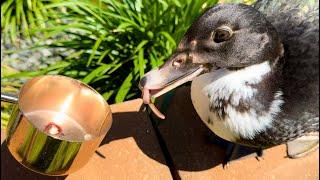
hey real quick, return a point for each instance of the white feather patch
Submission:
(235, 82)
(249, 123)
(224, 84)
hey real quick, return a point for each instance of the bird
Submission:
(254, 73)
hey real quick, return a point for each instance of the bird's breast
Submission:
(201, 104)
(228, 102)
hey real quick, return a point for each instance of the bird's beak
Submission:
(161, 80)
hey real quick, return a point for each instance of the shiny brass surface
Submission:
(57, 125)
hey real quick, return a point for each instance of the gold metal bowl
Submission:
(56, 125)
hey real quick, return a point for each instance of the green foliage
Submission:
(18, 16)
(8, 87)
(115, 42)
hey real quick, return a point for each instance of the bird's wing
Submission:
(297, 22)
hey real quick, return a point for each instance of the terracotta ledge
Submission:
(131, 151)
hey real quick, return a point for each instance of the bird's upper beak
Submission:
(169, 76)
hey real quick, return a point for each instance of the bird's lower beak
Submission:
(161, 80)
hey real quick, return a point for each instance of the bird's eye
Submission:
(222, 33)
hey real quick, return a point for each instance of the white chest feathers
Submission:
(225, 90)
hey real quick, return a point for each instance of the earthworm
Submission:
(156, 111)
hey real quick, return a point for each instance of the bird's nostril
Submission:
(142, 82)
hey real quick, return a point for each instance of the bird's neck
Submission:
(247, 99)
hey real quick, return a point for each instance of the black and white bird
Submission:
(254, 73)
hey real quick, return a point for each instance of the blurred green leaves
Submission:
(19, 16)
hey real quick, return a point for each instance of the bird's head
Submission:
(231, 36)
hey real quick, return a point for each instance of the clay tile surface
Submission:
(131, 150)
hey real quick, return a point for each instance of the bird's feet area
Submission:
(234, 151)
(303, 146)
